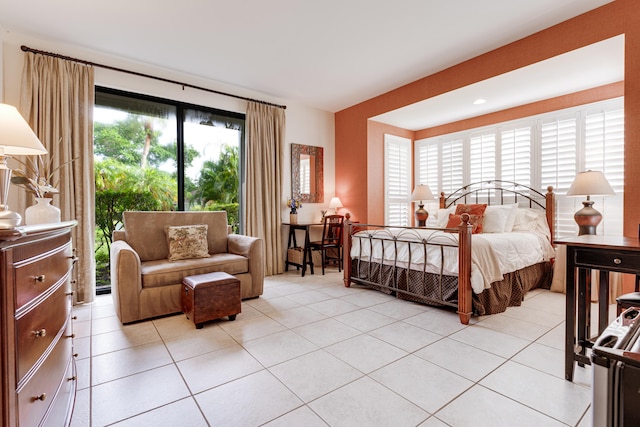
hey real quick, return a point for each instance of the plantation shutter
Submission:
(516, 155)
(452, 171)
(397, 180)
(482, 156)
(604, 151)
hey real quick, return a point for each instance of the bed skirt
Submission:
(441, 290)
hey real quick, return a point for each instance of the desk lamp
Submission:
(589, 183)
(421, 193)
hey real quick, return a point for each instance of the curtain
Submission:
(265, 156)
(57, 101)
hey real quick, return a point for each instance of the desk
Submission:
(307, 258)
(586, 253)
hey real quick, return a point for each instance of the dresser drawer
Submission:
(37, 328)
(39, 392)
(608, 260)
(35, 275)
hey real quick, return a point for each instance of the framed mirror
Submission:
(307, 177)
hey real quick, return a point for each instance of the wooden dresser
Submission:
(37, 371)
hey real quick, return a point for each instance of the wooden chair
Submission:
(331, 244)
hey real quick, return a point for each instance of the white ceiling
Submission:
(328, 54)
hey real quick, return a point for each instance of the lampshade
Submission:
(421, 192)
(335, 204)
(16, 138)
(590, 183)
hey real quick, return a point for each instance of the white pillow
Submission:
(529, 219)
(496, 217)
(443, 216)
(511, 220)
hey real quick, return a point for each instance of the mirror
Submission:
(307, 178)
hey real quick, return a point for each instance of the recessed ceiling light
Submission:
(479, 101)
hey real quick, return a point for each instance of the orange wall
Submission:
(353, 153)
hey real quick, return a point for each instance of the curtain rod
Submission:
(135, 73)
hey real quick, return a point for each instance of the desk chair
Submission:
(331, 244)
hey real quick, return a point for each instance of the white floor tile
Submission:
(279, 347)
(366, 353)
(326, 332)
(550, 395)
(480, 407)
(184, 412)
(429, 386)
(297, 316)
(217, 367)
(249, 401)
(465, 360)
(315, 374)
(118, 364)
(441, 322)
(486, 339)
(364, 320)
(302, 416)
(367, 403)
(405, 336)
(132, 395)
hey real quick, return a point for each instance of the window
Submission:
(541, 151)
(158, 154)
(397, 180)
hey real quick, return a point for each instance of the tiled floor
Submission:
(311, 352)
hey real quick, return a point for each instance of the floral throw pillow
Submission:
(474, 220)
(473, 209)
(187, 241)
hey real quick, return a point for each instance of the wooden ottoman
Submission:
(210, 296)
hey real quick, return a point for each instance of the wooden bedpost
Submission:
(465, 295)
(550, 208)
(442, 200)
(346, 249)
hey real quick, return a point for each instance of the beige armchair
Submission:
(145, 284)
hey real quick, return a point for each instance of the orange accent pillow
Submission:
(471, 209)
(474, 220)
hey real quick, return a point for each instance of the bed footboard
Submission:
(384, 275)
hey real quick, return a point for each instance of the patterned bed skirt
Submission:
(441, 290)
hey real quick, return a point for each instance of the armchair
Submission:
(146, 284)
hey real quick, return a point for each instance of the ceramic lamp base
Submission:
(587, 218)
(421, 216)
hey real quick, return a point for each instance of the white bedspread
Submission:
(492, 254)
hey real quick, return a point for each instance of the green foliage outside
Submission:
(127, 177)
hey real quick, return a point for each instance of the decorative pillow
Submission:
(496, 218)
(529, 219)
(474, 220)
(473, 209)
(187, 241)
(443, 216)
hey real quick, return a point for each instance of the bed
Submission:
(478, 260)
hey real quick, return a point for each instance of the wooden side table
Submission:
(584, 254)
(307, 258)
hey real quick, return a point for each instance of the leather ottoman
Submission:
(210, 296)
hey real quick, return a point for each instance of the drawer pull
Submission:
(75, 354)
(70, 293)
(73, 378)
(74, 259)
(71, 336)
(74, 318)
(42, 397)
(617, 261)
(39, 278)
(40, 334)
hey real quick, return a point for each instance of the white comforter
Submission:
(492, 254)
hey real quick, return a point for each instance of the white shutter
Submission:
(482, 157)
(558, 168)
(427, 161)
(604, 151)
(452, 167)
(515, 158)
(397, 180)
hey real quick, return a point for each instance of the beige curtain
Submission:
(265, 156)
(57, 101)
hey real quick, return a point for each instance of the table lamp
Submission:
(16, 138)
(421, 193)
(335, 204)
(589, 183)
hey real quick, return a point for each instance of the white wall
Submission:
(305, 125)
